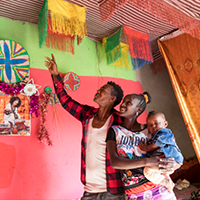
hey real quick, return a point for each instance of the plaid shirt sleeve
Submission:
(113, 176)
(79, 111)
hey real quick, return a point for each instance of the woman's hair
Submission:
(144, 99)
(14, 99)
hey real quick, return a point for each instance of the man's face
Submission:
(155, 123)
(104, 95)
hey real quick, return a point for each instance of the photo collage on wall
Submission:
(14, 115)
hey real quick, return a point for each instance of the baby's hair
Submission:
(144, 99)
(151, 113)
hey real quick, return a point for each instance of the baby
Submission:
(161, 144)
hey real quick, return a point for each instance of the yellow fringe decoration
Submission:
(122, 61)
(67, 18)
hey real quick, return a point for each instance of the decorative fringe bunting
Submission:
(138, 63)
(112, 47)
(124, 60)
(139, 45)
(113, 55)
(158, 8)
(117, 53)
(43, 105)
(63, 25)
(66, 21)
(42, 24)
(59, 41)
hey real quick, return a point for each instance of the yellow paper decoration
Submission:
(67, 18)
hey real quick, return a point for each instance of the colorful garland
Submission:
(10, 90)
(44, 102)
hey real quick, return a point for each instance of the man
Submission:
(100, 179)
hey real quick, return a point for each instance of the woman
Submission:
(10, 111)
(122, 143)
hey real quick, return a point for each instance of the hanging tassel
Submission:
(67, 18)
(124, 60)
(112, 47)
(42, 24)
(139, 45)
(43, 105)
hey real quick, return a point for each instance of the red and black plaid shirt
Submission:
(83, 113)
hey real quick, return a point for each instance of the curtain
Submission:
(181, 53)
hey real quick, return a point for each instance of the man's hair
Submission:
(117, 92)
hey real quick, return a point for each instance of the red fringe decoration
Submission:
(57, 41)
(43, 104)
(157, 8)
(139, 45)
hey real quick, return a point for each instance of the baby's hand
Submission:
(142, 146)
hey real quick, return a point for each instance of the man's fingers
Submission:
(47, 64)
(49, 59)
(53, 58)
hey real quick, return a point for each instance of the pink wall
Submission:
(33, 170)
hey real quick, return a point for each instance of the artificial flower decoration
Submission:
(31, 89)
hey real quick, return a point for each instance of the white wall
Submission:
(164, 100)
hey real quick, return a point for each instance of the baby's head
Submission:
(156, 121)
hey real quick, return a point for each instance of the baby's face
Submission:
(155, 123)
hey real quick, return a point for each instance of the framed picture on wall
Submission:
(15, 118)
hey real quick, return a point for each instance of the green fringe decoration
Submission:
(42, 23)
(113, 47)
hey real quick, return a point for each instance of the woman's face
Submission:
(15, 102)
(129, 106)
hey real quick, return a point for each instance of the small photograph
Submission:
(15, 118)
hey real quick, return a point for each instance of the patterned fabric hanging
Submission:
(59, 23)
(183, 65)
(14, 62)
(112, 47)
(139, 47)
(171, 11)
(117, 53)
(123, 61)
